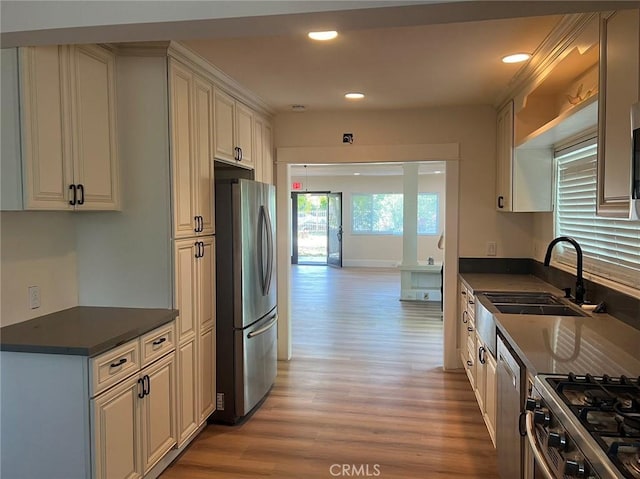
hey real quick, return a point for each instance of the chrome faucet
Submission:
(580, 291)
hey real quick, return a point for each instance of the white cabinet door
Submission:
(258, 143)
(10, 156)
(46, 155)
(206, 284)
(69, 128)
(158, 410)
(224, 114)
(203, 155)
(490, 395)
(207, 374)
(116, 432)
(182, 155)
(267, 155)
(95, 158)
(185, 282)
(619, 89)
(244, 134)
(188, 378)
(481, 373)
(504, 158)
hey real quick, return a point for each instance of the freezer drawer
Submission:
(256, 362)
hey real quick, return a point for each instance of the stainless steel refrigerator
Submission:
(246, 307)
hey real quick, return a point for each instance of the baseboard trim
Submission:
(369, 263)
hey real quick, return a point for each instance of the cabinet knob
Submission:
(500, 202)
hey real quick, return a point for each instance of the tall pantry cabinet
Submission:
(164, 238)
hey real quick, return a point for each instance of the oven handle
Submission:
(531, 436)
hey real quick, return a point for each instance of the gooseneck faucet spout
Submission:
(580, 291)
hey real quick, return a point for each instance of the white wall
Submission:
(472, 127)
(377, 250)
(37, 249)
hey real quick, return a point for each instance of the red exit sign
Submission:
(296, 185)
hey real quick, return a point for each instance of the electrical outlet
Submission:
(34, 297)
(491, 248)
(347, 138)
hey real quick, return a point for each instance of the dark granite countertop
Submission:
(82, 330)
(596, 344)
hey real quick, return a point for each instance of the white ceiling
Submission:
(401, 54)
(396, 68)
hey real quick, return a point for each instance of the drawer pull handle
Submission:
(469, 363)
(119, 363)
(470, 329)
(158, 342)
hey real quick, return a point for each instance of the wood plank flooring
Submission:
(365, 389)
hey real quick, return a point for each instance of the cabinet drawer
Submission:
(157, 343)
(113, 366)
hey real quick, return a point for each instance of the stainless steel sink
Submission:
(523, 298)
(541, 309)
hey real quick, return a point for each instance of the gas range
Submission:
(586, 426)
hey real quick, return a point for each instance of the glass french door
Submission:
(334, 230)
(316, 228)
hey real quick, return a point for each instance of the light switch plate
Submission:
(492, 248)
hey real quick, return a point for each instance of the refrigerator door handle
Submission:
(265, 328)
(270, 246)
(262, 219)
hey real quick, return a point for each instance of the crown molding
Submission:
(545, 57)
(200, 66)
(220, 79)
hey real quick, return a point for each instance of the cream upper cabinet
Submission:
(267, 155)
(504, 157)
(69, 153)
(620, 88)
(191, 100)
(263, 150)
(233, 127)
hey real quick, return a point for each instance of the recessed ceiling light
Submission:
(298, 108)
(354, 95)
(357, 174)
(516, 58)
(323, 36)
(437, 171)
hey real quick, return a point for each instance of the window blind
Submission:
(611, 246)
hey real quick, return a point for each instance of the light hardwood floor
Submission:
(365, 387)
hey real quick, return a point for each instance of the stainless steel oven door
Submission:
(536, 466)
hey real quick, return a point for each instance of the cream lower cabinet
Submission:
(485, 386)
(68, 128)
(134, 422)
(207, 351)
(195, 299)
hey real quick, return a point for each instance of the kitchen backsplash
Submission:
(619, 305)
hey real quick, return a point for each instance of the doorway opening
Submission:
(316, 228)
